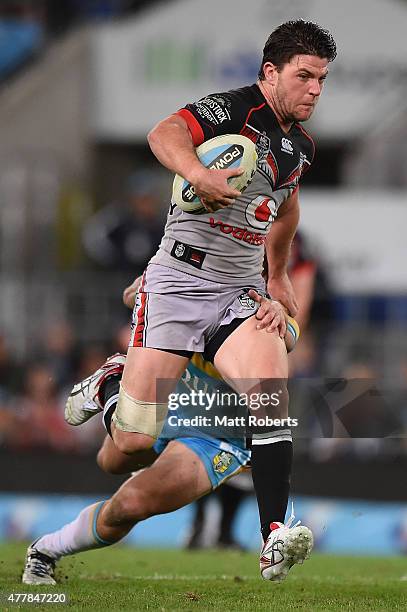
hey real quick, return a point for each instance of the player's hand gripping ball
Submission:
(219, 153)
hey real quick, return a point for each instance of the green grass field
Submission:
(123, 578)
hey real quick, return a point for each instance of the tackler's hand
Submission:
(129, 294)
(270, 315)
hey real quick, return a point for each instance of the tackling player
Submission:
(182, 469)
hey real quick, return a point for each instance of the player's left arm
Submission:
(278, 244)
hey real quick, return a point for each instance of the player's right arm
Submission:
(172, 143)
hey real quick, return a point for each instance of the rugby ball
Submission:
(219, 153)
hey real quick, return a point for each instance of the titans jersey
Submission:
(191, 415)
(228, 245)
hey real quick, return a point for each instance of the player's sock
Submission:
(271, 465)
(74, 537)
(110, 395)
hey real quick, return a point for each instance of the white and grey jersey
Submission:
(227, 246)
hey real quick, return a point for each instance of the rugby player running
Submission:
(193, 294)
(182, 466)
(191, 297)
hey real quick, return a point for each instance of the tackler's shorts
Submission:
(181, 312)
(221, 459)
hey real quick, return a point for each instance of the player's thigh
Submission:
(255, 362)
(250, 353)
(111, 460)
(150, 374)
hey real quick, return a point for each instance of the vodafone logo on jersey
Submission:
(239, 233)
(261, 212)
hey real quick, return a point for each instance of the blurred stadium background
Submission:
(82, 205)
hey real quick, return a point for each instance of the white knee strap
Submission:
(135, 416)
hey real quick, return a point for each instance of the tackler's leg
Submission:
(177, 478)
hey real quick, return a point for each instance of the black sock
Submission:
(110, 388)
(271, 465)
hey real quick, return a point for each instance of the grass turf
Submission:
(123, 578)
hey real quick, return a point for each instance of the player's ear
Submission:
(270, 72)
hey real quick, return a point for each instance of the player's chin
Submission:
(304, 112)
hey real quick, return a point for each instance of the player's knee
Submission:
(108, 464)
(281, 400)
(100, 460)
(131, 506)
(138, 416)
(130, 443)
(269, 398)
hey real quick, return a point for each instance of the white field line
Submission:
(237, 577)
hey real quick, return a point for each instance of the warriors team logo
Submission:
(246, 301)
(262, 146)
(179, 250)
(221, 462)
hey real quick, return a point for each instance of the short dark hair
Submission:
(297, 37)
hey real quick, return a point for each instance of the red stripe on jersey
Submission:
(193, 126)
(290, 179)
(250, 112)
(140, 325)
(249, 133)
(271, 160)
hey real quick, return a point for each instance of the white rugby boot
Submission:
(84, 401)
(39, 567)
(285, 546)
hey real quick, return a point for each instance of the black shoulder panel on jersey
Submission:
(226, 112)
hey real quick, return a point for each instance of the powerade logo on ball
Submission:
(225, 159)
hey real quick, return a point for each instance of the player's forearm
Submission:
(171, 143)
(280, 237)
(278, 244)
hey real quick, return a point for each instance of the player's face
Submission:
(298, 85)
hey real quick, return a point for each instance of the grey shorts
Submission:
(181, 312)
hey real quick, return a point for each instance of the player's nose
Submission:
(315, 87)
